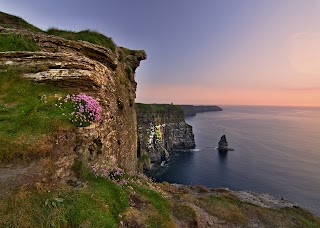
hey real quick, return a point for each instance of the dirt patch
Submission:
(14, 175)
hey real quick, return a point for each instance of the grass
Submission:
(97, 205)
(155, 209)
(17, 43)
(101, 203)
(134, 201)
(28, 116)
(232, 210)
(224, 207)
(185, 214)
(85, 35)
(160, 109)
(10, 21)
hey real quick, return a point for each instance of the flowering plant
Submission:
(116, 174)
(85, 109)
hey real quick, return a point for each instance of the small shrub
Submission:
(85, 109)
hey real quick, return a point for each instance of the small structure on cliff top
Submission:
(223, 145)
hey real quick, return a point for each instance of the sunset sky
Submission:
(242, 52)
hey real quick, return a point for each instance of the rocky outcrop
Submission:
(162, 130)
(192, 110)
(107, 76)
(223, 145)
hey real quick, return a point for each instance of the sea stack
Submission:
(223, 144)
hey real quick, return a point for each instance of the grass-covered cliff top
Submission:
(167, 112)
(85, 35)
(11, 21)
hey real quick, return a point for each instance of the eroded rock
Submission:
(84, 67)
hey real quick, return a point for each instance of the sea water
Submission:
(276, 150)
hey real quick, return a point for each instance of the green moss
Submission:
(144, 161)
(128, 71)
(158, 133)
(28, 116)
(85, 35)
(17, 43)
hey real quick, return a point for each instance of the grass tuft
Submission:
(158, 209)
(28, 116)
(17, 43)
(85, 35)
(185, 214)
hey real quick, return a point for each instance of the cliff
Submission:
(54, 173)
(161, 130)
(192, 110)
(68, 66)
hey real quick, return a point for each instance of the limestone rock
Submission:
(162, 130)
(88, 68)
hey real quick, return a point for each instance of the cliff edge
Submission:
(63, 64)
(162, 130)
(192, 110)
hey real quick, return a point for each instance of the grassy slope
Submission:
(10, 21)
(136, 202)
(85, 35)
(28, 116)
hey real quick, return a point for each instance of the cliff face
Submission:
(107, 76)
(161, 130)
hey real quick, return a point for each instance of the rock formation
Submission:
(161, 130)
(223, 144)
(107, 76)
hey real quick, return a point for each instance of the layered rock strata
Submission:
(107, 76)
(162, 130)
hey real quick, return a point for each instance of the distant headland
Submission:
(192, 110)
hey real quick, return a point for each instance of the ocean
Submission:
(276, 150)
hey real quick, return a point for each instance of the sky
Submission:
(223, 52)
